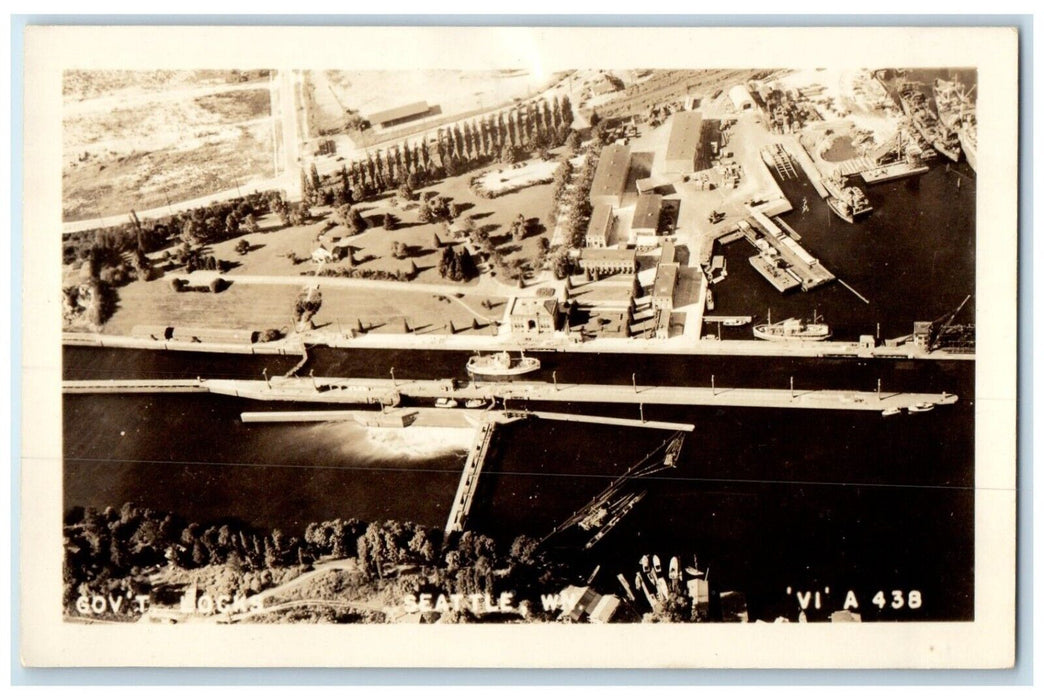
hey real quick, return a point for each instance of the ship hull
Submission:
(524, 366)
(763, 333)
(969, 152)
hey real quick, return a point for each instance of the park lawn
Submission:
(262, 306)
(373, 246)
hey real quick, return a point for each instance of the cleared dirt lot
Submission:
(141, 139)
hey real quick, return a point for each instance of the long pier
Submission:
(469, 478)
(364, 391)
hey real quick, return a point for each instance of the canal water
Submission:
(767, 498)
(913, 258)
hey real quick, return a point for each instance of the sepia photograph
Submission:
(580, 340)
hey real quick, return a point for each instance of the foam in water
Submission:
(412, 443)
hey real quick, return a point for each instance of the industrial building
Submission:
(600, 228)
(399, 115)
(664, 285)
(646, 219)
(610, 178)
(683, 143)
(741, 98)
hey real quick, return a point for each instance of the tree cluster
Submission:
(117, 550)
(456, 263)
(506, 137)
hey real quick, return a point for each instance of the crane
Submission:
(944, 323)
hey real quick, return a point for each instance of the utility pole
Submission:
(714, 392)
(634, 381)
(554, 378)
(878, 388)
(791, 387)
(392, 372)
(264, 373)
(641, 411)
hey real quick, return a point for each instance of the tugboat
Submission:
(792, 329)
(501, 365)
(891, 411)
(921, 407)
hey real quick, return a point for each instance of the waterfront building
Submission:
(531, 317)
(610, 177)
(600, 228)
(664, 284)
(683, 143)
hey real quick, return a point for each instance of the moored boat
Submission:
(792, 329)
(921, 407)
(891, 411)
(501, 365)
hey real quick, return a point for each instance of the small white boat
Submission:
(921, 407)
(501, 365)
(645, 562)
(656, 565)
(673, 570)
(446, 403)
(892, 411)
(475, 403)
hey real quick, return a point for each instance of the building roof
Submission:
(667, 253)
(739, 95)
(607, 255)
(684, 140)
(529, 306)
(647, 211)
(610, 176)
(411, 110)
(601, 217)
(666, 279)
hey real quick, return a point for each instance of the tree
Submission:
(356, 222)
(405, 191)
(572, 141)
(390, 222)
(242, 247)
(250, 223)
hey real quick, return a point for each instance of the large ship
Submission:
(915, 106)
(792, 329)
(969, 139)
(501, 365)
(957, 113)
(847, 202)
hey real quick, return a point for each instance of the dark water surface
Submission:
(768, 498)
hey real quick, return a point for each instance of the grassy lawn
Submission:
(258, 307)
(373, 246)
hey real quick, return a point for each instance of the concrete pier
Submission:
(364, 391)
(469, 479)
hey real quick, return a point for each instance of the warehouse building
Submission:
(610, 178)
(683, 143)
